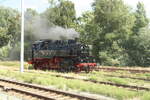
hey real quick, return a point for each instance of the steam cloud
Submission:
(42, 29)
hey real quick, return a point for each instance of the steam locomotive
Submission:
(62, 55)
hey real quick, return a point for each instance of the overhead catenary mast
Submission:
(22, 38)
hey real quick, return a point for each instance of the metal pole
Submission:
(22, 37)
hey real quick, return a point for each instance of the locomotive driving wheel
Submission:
(67, 65)
(87, 69)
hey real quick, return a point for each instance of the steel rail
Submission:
(70, 94)
(101, 82)
(107, 83)
(122, 69)
(120, 76)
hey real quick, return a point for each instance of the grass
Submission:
(119, 73)
(10, 63)
(98, 76)
(146, 96)
(101, 76)
(117, 80)
(79, 85)
(14, 64)
(62, 83)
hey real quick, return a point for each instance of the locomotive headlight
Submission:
(94, 60)
(81, 60)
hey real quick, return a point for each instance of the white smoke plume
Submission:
(42, 29)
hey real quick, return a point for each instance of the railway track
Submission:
(144, 79)
(119, 76)
(123, 69)
(108, 83)
(39, 92)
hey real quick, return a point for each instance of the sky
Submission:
(80, 5)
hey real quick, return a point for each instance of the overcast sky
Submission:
(80, 5)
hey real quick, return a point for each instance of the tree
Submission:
(141, 19)
(61, 13)
(137, 45)
(9, 24)
(143, 42)
(9, 32)
(4, 39)
(114, 19)
(86, 27)
(140, 48)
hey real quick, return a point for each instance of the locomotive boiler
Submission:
(62, 55)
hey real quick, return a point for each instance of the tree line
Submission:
(119, 35)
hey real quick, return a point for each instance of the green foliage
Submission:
(139, 49)
(4, 52)
(61, 13)
(138, 46)
(113, 16)
(112, 30)
(9, 31)
(88, 30)
(4, 39)
(116, 22)
(10, 21)
(141, 19)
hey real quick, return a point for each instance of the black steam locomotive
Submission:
(63, 55)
